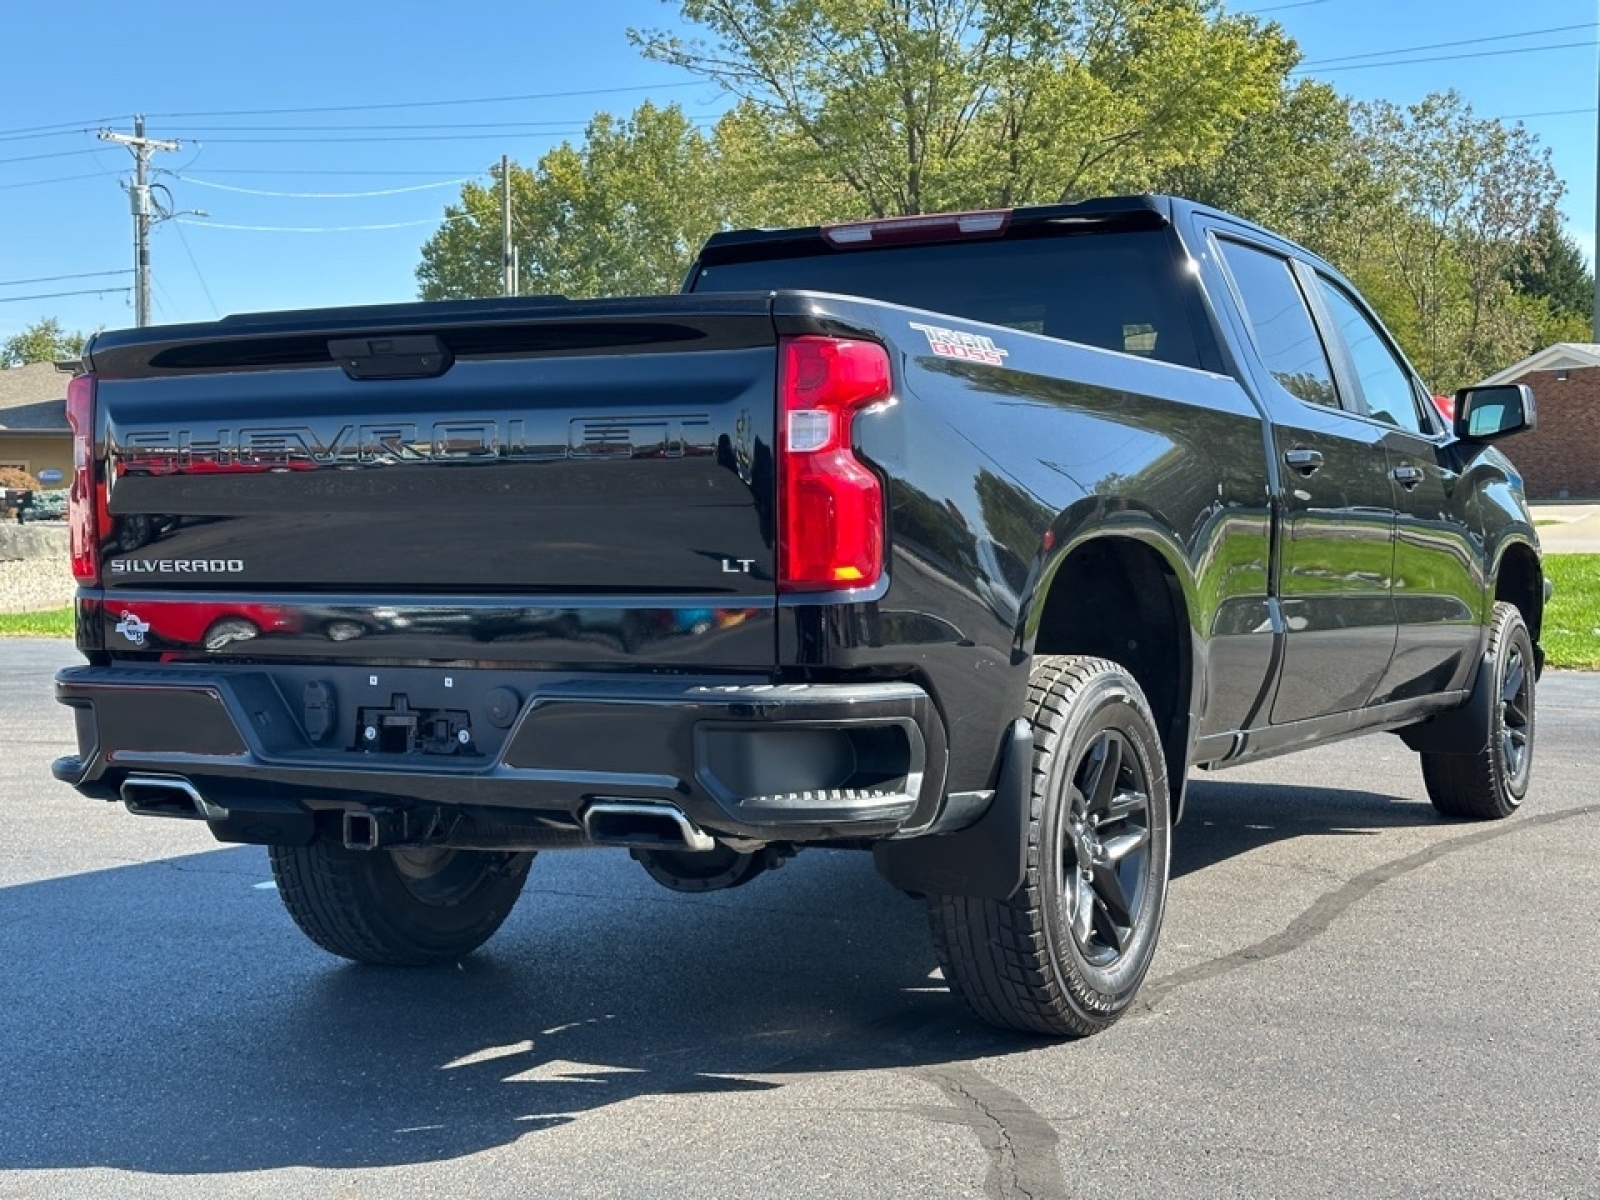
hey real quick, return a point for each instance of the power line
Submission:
(425, 137)
(311, 228)
(1256, 12)
(398, 191)
(64, 126)
(465, 172)
(1554, 112)
(331, 108)
(37, 157)
(368, 125)
(29, 137)
(198, 274)
(1477, 41)
(6, 187)
(164, 306)
(63, 278)
(1407, 62)
(462, 216)
(109, 291)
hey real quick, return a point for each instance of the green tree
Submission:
(1293, 168)
(1458, 197)
(1550, 266)
(622, 214)
(921, 105)
(43, 341)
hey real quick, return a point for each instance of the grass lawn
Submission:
(54, 623)
(1571, 635)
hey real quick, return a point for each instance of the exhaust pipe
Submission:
(168, 796)
(643, 826)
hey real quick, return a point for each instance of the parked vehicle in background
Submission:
(18, 501)
(959, 538)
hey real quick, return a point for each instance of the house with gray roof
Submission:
(34, 434)
(1560, 459)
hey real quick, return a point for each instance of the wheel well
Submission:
(1521, 582)
(1118, 599)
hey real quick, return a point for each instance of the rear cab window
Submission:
(1118, 290)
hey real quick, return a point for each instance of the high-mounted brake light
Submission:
(934, 227)
(84, 500)
(830, 503)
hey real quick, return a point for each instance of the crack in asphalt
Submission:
(1332, 905)
(1019, 1142)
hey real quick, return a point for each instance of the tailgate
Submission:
(587, 458)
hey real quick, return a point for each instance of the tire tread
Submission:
(1470, 786)
(329, 893)
(995, 954)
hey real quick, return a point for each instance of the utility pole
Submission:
(508, 258)
(139, 198)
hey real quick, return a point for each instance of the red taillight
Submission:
(83, 500)
(830, 503)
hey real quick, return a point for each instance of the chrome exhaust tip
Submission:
(642, 825)
(168, 796)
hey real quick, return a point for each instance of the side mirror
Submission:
(1486, 414)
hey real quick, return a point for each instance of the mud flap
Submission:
(1463, 730)
(988, 858)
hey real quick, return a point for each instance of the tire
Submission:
(1066, 953)
(401, 908)
(1490, 783)
(134, 531)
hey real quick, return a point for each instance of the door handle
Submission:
(1307, 462)
(1406, 476)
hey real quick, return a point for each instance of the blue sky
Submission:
(201, 72)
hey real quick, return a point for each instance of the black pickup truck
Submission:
(959, 538)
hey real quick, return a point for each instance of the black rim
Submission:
(1516, 713)
(1105, 848)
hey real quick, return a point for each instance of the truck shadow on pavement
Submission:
(1224, 819)
(167, 1017)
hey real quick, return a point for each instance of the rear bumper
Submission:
(739, 757)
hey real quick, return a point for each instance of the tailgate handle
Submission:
(411, 356)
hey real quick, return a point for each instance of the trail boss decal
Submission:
(952, 343)
(132, 628)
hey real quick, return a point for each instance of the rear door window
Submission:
(1281, 326)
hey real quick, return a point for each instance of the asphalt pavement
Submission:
(1353, 998)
